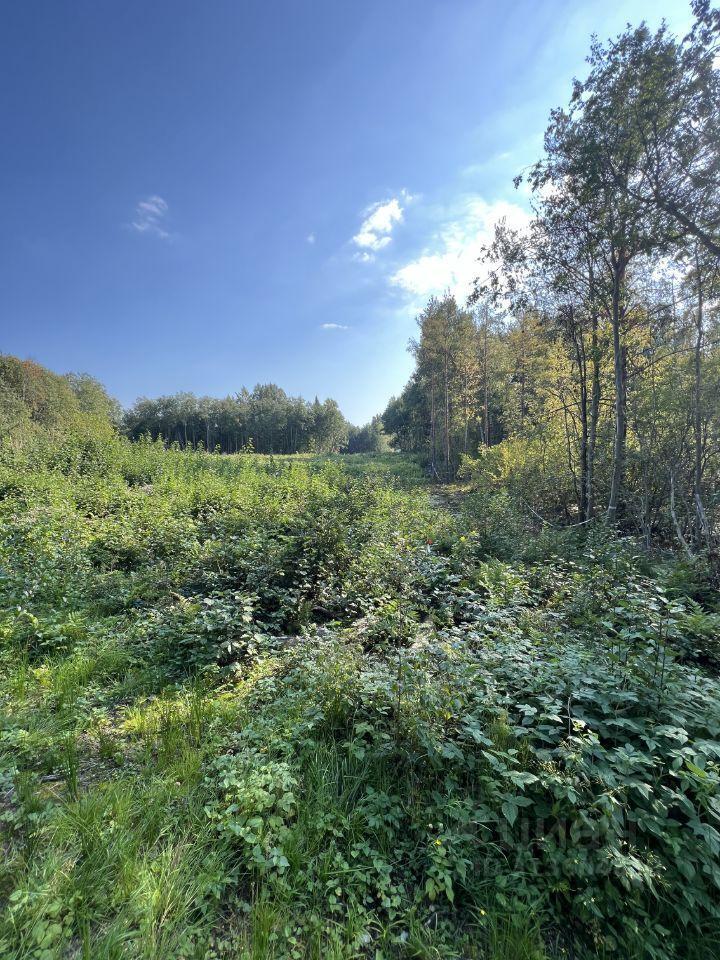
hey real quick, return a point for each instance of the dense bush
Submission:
(296, 707)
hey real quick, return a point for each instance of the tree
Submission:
(593, 166)
(266, 418)
(370, 438)
(448, 372)
(674, 115)
(605, 355)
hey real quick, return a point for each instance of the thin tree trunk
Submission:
(581, 361)
(432, 426)
(619, 364)
(486, 411)
(700, 519)
(594, 418)
(447, 420)
(673, 514)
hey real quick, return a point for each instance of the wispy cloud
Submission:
(449, 260)
(150, 216)
(334, 326)
(379, 220)
(310, 238)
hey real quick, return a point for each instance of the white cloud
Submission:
(379, 220)
(334, 326)
(367, 238)
(150, 215)
(310, 238)
(450, 260)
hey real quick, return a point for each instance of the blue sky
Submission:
(201, 195)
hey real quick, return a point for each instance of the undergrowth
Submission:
(293, 707)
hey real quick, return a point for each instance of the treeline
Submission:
(34, 398)
(265, 420)
(583, 375)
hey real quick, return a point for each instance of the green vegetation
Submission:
(583, 375)
(265, 420)
(320, 703)
(293, 707)
(36, 402)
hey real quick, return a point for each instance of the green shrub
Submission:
(290, 707)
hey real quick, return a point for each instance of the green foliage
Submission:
(295, 707)
(265, 420)
(585, 380)
(368, 439)
(530, 470)
(71, 418)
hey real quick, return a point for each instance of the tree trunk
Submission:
(700, 518)
(581, 360)
(673, 514)
(594, 418)
(486, 409)
(447, 420)
(432, 426)
(619, 365)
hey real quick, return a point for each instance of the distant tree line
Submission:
(583, 374)
(368, 439)
(264, 420)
